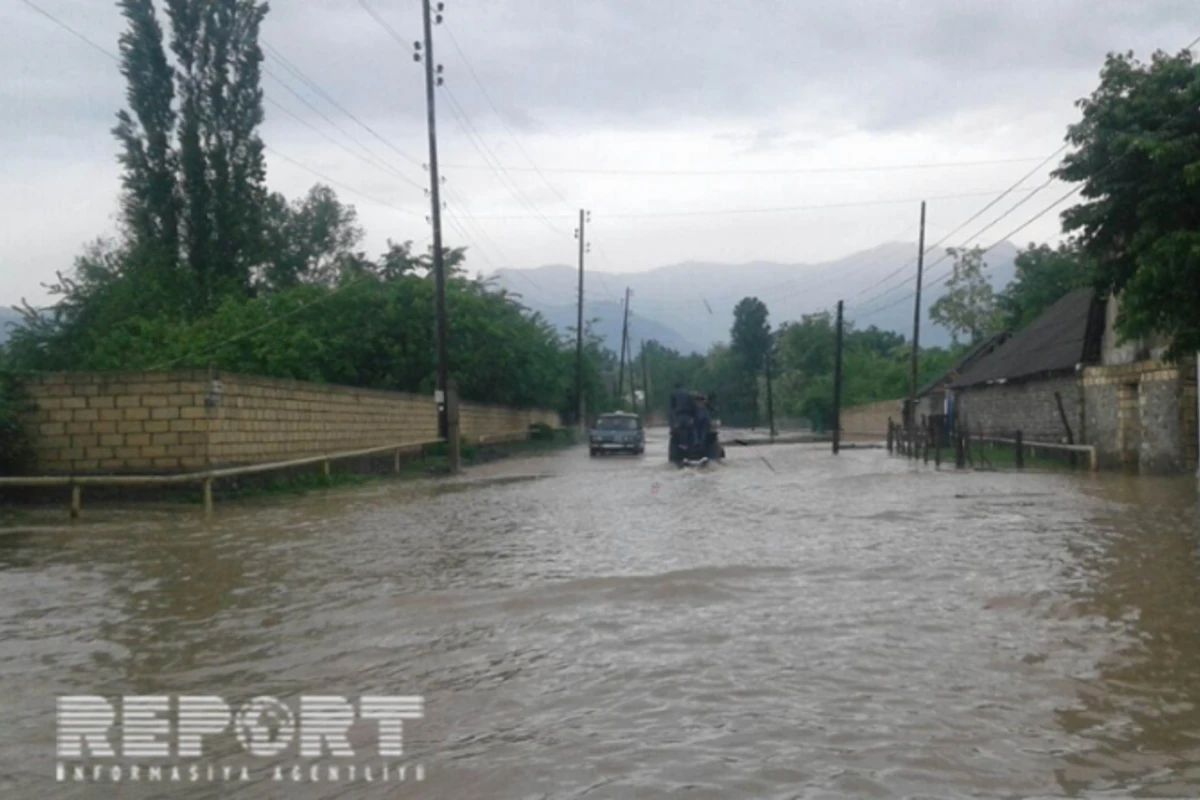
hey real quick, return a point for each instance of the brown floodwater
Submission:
(857, 626)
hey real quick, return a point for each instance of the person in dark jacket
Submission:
(681, 403)
(702, 418)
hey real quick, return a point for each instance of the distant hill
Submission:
(695, 300)
(606, 318)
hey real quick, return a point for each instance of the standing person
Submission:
(702, 418)
(680, 403)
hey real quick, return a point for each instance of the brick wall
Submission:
(161, 422)
(1027, 406)
(870, 422)
(1142, 415)
(119, 422)
(266, 419)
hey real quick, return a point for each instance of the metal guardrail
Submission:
(1067, 448)
(206, 477)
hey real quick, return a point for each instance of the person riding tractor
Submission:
(692, 437)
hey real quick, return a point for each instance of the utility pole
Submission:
(916, 338)
(770, 401)
(632, 388)
(624, 341)
(439, 264)
(645, 386)
(580, 235)
(837, 383)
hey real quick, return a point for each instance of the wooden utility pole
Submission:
(770, 399)
(439, 263)
(579, 234)
(632, 387)
(837, 383)
(645, 386)
(624, 343)
(916, 337)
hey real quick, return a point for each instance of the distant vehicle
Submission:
(687, 444)
(618, 432)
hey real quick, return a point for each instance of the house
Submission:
(1068, 378)
(1140, 411)
(934, 404)
(1031, 382)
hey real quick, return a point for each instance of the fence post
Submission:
(1020, 451)
(891, 433)
(208, 496)
(967, 442)
(925, 444)
(76, 500)
(937, 449)
(453, 436)
(396, 461)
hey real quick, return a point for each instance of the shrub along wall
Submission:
(180, 421)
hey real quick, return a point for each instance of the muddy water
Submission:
(850, 627)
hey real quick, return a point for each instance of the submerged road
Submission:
(857, 626)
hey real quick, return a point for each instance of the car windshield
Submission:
(617, 424)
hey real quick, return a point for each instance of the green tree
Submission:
(1044, 275)
(749, 340)
(194, 177)
(150, 203)
(1137, 157)
(311, 240)
(969, 304)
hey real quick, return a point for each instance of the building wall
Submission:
(164, 422)
(1142, 416)
(1027, 406)
(1115, 351)
(870, 422)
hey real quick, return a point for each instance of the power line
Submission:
(72, 31)
(968, 221)
(498, 169)
(970, 238)
(372, 156)
(299, 74)
(471, 70)
(469, 129)
(382, 166)
(337, 183)
(991, 247)
(761, 171)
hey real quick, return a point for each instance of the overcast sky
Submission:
(764, 89)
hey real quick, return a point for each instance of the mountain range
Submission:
(689, 306)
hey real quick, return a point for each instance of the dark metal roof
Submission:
(1065, 335)
(974, 354)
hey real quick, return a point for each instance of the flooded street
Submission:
(856, 626)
